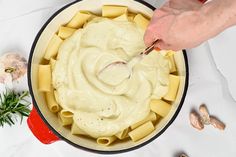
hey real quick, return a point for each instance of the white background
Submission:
(212, 81)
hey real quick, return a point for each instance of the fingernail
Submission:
(157, 48)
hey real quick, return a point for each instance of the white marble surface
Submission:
(212, 81)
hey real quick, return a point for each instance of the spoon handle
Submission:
(150, 48)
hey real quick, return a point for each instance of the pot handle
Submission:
(40, 129)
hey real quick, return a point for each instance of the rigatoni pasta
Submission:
(44, 78)
(142, 131)
(66, 117)
(52, 63)
(151, 117)
(51, 102)
(75, 130)
(123, 17)
(160, 107)
(79, 20)
(123, 134)
(105, 141)
(136, 130)
(172, 64)
(141, 21)
(131, 16)
(113, 11)
(53, 47)
(173, 87)
(65, 32)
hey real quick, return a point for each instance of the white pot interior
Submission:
(64, 17)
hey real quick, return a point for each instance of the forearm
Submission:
(221, 14)
(181, 24)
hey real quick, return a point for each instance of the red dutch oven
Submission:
(45, 125)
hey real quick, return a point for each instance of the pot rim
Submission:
(82, 147)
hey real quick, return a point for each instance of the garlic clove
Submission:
(14, 64)
(217, 123)
(195, 120)
(205, 117)
(183, 155)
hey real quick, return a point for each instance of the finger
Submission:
(161, 45)
(157, 49)
(203, 1)
(164, 46)
(185, 5)
(156, 45)
(150, 36)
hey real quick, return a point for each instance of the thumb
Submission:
(162, 45)
(149, 37)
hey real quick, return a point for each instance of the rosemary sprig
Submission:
(12, 106)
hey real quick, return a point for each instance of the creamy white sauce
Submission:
(104, 100)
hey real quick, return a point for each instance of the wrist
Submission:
(221, 13)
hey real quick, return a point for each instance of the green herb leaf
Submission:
(12, 106)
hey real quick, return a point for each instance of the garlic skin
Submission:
(13, 68)
(183, 155)
(13, 64)
(195, 120)
(198, 121)
(217, 123)
(205, 116)
(5, 78)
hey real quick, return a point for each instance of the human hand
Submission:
(179, 24)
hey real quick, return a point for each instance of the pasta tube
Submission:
(79, 20)
(170, 53)
(173, 87)
(160, 107)
(142, 131)
(44, 78)
(75, 130)
(53, 47)
(151, 117)
(123, 134)
(141, 21)
(66, 117)
(131, 16)
(52, 63)
(65, 32)
(51, 102)
(172, 63)
(123, 17)
(56, 95)
(105, 141)
(113, 11)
